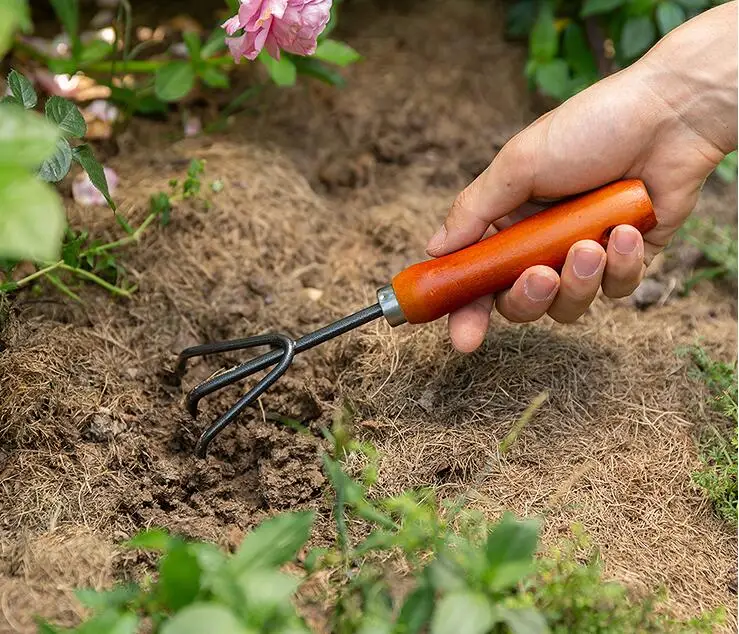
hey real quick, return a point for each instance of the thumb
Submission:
(505, 184)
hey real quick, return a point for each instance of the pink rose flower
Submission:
(288, 25)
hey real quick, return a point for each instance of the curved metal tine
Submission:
(236, 373)
(288, 354)
(215, 347)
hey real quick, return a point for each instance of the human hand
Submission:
(668, 120)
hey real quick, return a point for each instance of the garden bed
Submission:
(326, 195)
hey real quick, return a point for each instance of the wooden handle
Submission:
(431, 289)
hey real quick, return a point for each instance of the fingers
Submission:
(581, 278)
(467, 326)
(625, 262)
(530, 296)
(565, 297)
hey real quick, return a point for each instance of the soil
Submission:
(326, 195)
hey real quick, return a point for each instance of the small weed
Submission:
(718, 448)
(94, 260)
(718, 246)
(464, 575)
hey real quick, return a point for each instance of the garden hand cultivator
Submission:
(429, 290)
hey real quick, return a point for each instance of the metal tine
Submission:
(234, 375)
(238, 372)
(287, 354)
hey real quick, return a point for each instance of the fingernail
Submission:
(437, 241)
(539, 287)
(587, 262)
(625, 241)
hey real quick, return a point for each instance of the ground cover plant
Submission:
(464, 574)
(284, 218)
(574, 44)
(718, 445)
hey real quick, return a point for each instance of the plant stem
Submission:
(134, 237)
(33, 276)
(63, 287)
(69, 66)
(94, 278)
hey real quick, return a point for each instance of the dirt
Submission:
(326, 195)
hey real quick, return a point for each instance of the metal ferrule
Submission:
(391, 309)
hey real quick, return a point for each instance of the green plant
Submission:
(94, 260)
(718, 447)
(34, 151)
(464, 574)
(572, 44)
(727, 168)
(717, 244)
(153, 83)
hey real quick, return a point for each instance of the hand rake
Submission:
(431, 289)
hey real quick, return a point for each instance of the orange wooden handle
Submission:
(431, 289)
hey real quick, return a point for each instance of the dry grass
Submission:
(93, 437)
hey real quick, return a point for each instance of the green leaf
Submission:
(544, 40)
(522, 620)
(46, 628)
(377, 540)
(216, 42)
(463, 613)
(267, 592)
(336, 53)
(553, 79)
(214, 77)
(726, 170)
(32, 218)
(109, 622)
(274, 542)
(578, 54)
(637, 36)
(115, 598)
(282, 72)
(84, 156)
(520, 17)
(56, 167)
(694, 4)
(416, 610)
(596, 7)
(22, 89)
(669, 16)
(445, 576)
(95, 51)
(26, 138)
(174, 80)
(199, 618)
(14, 14)
(67, 11)
(66, 115)
(509, 551)
(315, 68)
(9, 99)
(155, 539)
(193, 44)
(179, 577)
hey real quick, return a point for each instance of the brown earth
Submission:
(326, 195)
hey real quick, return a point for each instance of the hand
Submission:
(668, 120)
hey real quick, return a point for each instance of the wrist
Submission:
(693, 71)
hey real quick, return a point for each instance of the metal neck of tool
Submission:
(284, 350)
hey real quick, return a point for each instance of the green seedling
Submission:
(718, 446)
(717, 244)
(94, 260)
(464, 575)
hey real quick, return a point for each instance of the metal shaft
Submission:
(306, 342)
